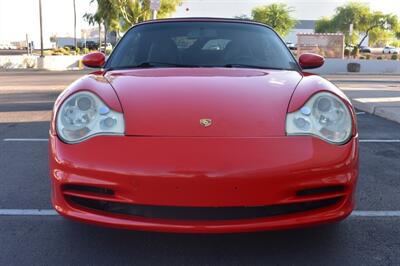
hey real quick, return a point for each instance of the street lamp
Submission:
(154, 6)
(75, 41)
(41, 29)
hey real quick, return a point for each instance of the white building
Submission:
(302, 26)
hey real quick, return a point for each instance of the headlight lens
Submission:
(83, 114)
(324, 116)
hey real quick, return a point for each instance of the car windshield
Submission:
(201, 44)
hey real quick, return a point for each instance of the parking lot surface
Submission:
(371, 236)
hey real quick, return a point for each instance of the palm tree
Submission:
(106, 14)
(275, 15)
(94, 19)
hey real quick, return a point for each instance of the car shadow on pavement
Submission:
(177, 249)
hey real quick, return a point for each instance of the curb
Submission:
(388, 112)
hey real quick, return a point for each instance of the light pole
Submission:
(75, 41)
(154, 6)
(154, 14)
(41, 29)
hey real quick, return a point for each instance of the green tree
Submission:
(275, 15)
(120, 15)
(378, 21)
(93, 19)
(135, 11)
(362, 20)
(379, 37)
(324, 25)
(106, 14)
(353, 13)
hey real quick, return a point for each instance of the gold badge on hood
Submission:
(205, 122)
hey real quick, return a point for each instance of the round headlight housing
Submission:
(324, 115)
(83, 115)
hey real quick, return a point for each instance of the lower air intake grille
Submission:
(321, 190)
(201, 213)
(91, 189)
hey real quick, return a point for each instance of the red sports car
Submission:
(203, 125)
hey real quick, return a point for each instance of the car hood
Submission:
(174, 102)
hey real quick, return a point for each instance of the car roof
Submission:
(204, 19)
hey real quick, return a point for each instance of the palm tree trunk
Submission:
(99, 35)
(105, 36)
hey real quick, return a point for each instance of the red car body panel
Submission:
(170, 102)
(198, 172)
(167, 159)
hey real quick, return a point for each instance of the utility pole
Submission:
(41, 29)
(154, 14)
(75, 41)
(27, 44)
(154, 6)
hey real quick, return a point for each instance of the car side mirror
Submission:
(95, 60)
(308, 61)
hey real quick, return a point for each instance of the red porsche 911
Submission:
(203, 125)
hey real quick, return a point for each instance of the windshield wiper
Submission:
(151, 64)
(254, 66)
(157, 64)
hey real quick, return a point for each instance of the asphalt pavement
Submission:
(375, 94)
(371, 236)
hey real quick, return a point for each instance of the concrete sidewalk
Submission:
(378, 95)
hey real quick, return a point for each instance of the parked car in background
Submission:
(92, 45)
(71, 47)
(7, 46)
(365, 49)
(349, 47)
(291, 45)
(106, 47)
(390, 50)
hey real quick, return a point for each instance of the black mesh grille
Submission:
(320, 190)
(91, 189)
(201, 213)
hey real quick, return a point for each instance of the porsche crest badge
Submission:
(205, 122)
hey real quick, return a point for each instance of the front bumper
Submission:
(140, 183)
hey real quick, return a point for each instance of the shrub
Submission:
(379, 58)
(77, 50)
(368, 56)
(394, 57)
(65, 51)
(355, 52)
(346, 52)
(66, 48)
(60, 51)
(361, 57)
(85, 50)
(395, 43)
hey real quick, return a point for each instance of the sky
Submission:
(21, 17)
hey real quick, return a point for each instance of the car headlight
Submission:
(83, 115)
(325, 116)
